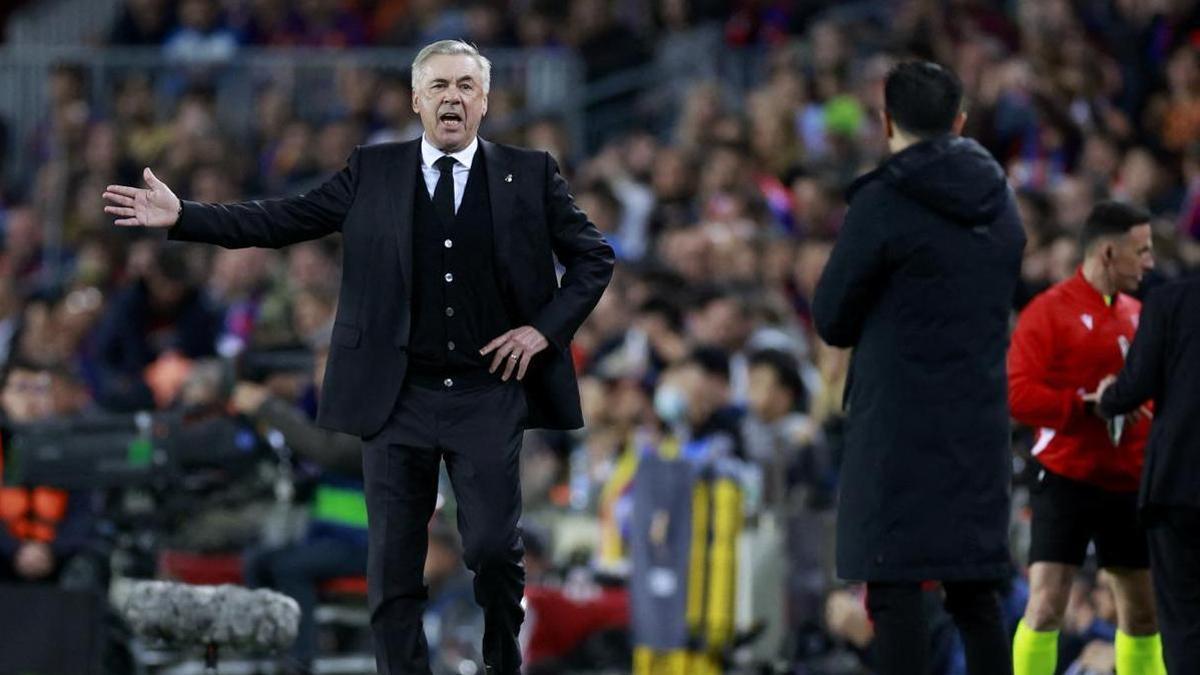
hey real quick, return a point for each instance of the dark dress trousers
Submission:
(422, 292)
(1164, 365)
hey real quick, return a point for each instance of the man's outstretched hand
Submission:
(522, 343)
(1143, 411)
(152, 206)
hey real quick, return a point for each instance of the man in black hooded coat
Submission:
(920, 284)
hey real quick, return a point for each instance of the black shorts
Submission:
(1067, 514)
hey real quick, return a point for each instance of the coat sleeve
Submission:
(1142, 377)
(852, 279)
(1032, 399)
(330, 449)
(272, 223)
(582, 250)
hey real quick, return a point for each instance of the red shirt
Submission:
(1066, 341)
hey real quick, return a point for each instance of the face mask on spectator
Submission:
(671, 403)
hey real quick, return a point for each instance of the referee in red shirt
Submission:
(1066, 341)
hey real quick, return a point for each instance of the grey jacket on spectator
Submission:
(920, 284)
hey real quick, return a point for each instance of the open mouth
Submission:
(450, 120)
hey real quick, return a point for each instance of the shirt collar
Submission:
(1086, 290)
(430, 154)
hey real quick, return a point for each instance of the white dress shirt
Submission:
(462, 168)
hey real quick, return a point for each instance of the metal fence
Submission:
(542, 80)
(545, 82)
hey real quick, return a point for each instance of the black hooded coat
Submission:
(920, 284)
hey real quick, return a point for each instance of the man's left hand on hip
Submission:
(515, 348)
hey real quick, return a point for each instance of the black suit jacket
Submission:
(1164, 364)
(370, 202)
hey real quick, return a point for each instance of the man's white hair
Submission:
(451, 47)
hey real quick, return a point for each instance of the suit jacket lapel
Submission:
(501, 193)
(402, 180)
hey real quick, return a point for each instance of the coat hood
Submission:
(951, 175)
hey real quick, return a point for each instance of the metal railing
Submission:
(546, 82)
(543, 81)
(61, 22)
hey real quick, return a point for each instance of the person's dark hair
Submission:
(171, 263)
(704, 295)
(712, 360)
(602, 192)
(661, 306)
(20, 362)
(787, 371)
(922, 98)
(1110, 219)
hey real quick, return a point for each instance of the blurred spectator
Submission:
(10, 317)
(141, 22)
(313, 310)
(778, 435)
(452, 620)
(41, 528)
(200, 35)
(336, 542)
(255, 307)
(23, 238)
(608, 47)
(598, 201)
(262, 22)
(1176, 112)
(418, 22)
(142, 138)
(721, 318)
(693, 399)
(605, 43)
(312, 264)
(322, 23)
(687, 47)
(1189, 212)
(486, 25)
(392, 117)
(159, 314)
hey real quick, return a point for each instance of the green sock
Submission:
(1034, 652)
(1139, 655)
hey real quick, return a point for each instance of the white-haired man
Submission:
(452, 333)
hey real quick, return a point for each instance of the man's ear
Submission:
(887, 123)
(415, 98)
(959, 120)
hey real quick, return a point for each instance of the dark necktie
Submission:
(443, 194)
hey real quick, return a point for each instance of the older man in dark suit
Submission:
(452, 333)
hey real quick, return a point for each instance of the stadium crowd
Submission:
(722, 206)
